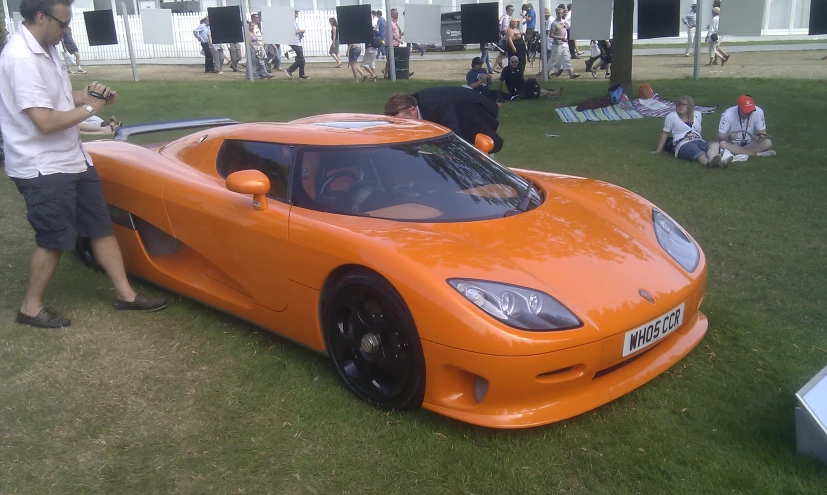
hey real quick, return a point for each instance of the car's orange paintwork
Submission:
(590, 244)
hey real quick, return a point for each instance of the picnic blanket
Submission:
(661, 107)
(612, 112)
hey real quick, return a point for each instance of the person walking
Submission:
(202, 34)
(715, 50)
(46, 160)
(298, 63)
(70, 47)
(559, 56)
(690, 21)
(258, 54)
(334, 41)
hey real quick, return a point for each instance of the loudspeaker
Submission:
(479, 23)
(100, 27)
(354, 24)
(818, 17)
(225, 24)
(659, 19)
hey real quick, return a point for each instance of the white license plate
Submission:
(652, 331)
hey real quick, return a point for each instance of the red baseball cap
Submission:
(745, 104)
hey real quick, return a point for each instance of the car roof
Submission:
(335, 130)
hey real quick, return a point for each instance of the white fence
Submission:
(316, 40)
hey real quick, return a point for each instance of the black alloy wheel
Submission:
(83, 252)
(372, 341)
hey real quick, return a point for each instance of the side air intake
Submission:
(156, 241)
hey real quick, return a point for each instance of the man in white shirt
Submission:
(690, 20)
(743, 130)
(298, 63)
(505, 21)
(39, 115)
(204, 36)
(559, 58)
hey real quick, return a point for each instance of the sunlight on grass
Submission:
(193, 401)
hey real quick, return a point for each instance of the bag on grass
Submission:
(615, 93)
(645, 92)
(531, 90)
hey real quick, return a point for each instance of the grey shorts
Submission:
(63, 207)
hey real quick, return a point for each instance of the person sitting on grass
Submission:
(684, 126)
(520, 88)
(743, 130)
(479, 79)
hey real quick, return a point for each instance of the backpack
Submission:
(531, 90)
(376, 42)
(615, 93)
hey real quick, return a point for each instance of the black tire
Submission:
(83, 253)
(362, 305)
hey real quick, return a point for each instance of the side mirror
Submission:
(250, 182)
(484, 143)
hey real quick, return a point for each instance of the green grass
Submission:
(193, 401)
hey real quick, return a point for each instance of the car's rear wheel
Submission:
(84, 254)
(372, 341)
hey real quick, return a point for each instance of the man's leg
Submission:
(300, 59)
(690, 38)
(108, 255)
(295, 65)
(751, 149)
(41, 268)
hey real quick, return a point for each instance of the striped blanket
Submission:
(612, 112)
(660, 107)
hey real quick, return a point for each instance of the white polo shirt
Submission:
(742, 129)
(30, 79)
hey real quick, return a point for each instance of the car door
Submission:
(243, 249)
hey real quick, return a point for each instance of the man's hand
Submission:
(98, 103)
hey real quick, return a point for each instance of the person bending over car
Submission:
(743, 129)
(464, 111)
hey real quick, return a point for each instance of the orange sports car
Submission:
(428, 273)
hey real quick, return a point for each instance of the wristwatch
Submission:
(89, 108)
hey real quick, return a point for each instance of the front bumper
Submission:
(525, 391)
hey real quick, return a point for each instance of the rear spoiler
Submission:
(123, 132)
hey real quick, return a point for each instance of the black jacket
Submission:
(464, 111)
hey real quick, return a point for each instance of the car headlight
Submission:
(519, 307)
(674, 241)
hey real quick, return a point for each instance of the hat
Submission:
(745, 104)
(548, 11)
(476, 61)
(716, 10)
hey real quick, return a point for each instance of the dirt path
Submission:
(780, 64)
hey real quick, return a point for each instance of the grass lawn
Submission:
(193, 401)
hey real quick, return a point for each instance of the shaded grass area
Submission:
(193, 401)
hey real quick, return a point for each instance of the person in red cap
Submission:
(743, 129)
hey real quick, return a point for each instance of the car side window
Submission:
(272, 159)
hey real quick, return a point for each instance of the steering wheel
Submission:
(333, 177)
(360, 192)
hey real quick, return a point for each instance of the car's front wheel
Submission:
(372, 341)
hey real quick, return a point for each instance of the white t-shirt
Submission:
(29, 78)
(732, 123)
(682, 133)
(713, 25)
(505, 21)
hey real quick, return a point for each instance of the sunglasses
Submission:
(62, 24)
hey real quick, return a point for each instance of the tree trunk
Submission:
(622, 27)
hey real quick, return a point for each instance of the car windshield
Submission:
(438, 180)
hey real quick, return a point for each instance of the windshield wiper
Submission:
(525, 200)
